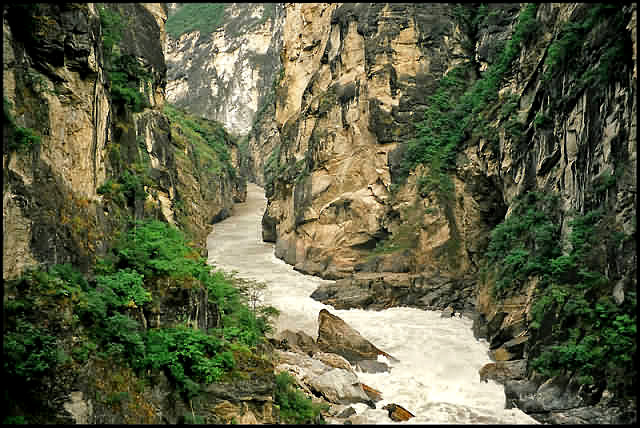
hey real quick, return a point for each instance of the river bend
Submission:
(437, 375)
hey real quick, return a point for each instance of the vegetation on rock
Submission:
(580, 330)
(202, 17)
(150, 261)
(295, 407)
(124, 72)
(15, 137)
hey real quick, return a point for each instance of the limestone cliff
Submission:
(62, 192)
(229, 75)
(408, 133)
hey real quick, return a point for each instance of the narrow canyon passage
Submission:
(436, 377)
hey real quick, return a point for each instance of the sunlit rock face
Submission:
(356, 82)
(356, 79)
(225, 76)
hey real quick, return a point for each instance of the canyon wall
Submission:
(406, 134)
(357, 78)
(229, 75)
(65, 194)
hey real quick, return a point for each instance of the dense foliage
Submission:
(210, 141)
(150, 260)
(15, 137)
(457, 111)
(581, 330)
(295, 407)
(202, 17)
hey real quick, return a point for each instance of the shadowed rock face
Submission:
(334, 335)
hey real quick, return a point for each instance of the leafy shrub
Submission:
(522, 245)
(29, 352)
(294, 406)
(123, 289)
(18, 138)
(188, 356)
(209, 139)
(111, 24)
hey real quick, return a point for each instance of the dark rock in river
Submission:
(378, 291)
(398, 413)
(336, 336)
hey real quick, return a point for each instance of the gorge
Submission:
(417, 161)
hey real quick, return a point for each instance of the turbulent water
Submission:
(437, 375)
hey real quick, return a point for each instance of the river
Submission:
(436, 377)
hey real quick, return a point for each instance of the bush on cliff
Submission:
(107, 312)
(577, 328)
(294, 406)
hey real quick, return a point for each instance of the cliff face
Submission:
(409, 133)
(225, 76)
(56, 87)
(357, 80)
(60, 195)
(89, 147)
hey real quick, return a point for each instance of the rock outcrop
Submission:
(335, 385)
(336, 336)
(398, 413)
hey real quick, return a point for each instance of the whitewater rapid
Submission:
(436, 377)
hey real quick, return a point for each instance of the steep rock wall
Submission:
(354, 77)
(226, 75)
(62, 198)
(561, 121)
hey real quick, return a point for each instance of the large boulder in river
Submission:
(339, 386)
(336, 336)
(336, 385)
